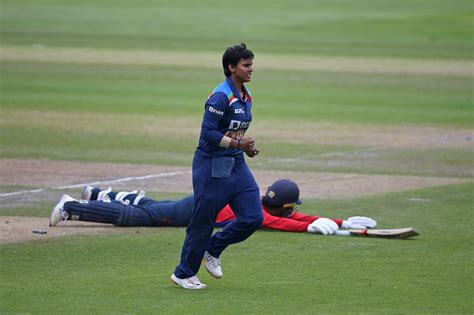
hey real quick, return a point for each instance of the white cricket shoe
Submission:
(87, 192)
(213, 265)
(191, 283)
(58, 213)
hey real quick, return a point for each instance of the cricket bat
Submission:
(401, 233)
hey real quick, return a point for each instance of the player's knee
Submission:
(133, 216)
(200, 232)
(253, 222)
(258, 221)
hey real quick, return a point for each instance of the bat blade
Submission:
(401, 233)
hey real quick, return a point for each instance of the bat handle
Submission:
(343, 232)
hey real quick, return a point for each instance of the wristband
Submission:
(225, 142)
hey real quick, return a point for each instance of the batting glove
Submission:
(323, 226)
(358, 223)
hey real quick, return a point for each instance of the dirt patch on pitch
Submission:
(48, 180)
(59, 176)
(21, 229)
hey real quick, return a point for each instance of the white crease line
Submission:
(21, 192)
(105, 182)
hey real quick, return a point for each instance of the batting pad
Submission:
(107, 212)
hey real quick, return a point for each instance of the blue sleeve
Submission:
(214, 110)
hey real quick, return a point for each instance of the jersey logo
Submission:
(237, 129)
(215, 111)
(234, 124)
(237, 124)
(239, 111)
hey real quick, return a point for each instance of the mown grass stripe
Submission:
(211, 60)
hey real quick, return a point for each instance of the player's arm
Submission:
(309, 218)
(330, 226)
(319, 225)
(214, 111)
(356, 222)
(283, 223)
(215, 108)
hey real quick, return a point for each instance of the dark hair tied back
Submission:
(233, 54)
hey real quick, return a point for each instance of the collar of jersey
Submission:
(234, 89)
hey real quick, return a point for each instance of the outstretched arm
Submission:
(356, 222)
(330, 226)
(283, 224)
(309, 218)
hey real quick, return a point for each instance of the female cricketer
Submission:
(219, 173)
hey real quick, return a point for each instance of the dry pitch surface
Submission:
(56, 176)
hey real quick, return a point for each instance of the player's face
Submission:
(243, 70)
(280, 212)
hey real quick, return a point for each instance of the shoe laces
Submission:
(215, 262)
(194, 280)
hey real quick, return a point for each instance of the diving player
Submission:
(280, 204)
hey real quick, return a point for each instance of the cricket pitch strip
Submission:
(51, 179)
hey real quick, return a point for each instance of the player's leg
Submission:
(58, 213)
(198, 234)
(209, 197)
(94, 193)
(246, 205)
(247, 208)
(169, 212)
(114, 212)
(248, 211)
(93, 211)
(162, 213)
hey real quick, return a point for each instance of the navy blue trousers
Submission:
(240, 191)
(148, 212)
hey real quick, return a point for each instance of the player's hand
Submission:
(359, 223)
(253, 152)
(323, 226)
(248, 146)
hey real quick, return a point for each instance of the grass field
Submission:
(272, 272)
(354, 121)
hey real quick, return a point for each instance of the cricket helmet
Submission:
(282, 193)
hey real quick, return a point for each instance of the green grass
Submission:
(308, 273)
(143, 114)
(312, 96)
(419, 29)
(418, 162)
(303, 121)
